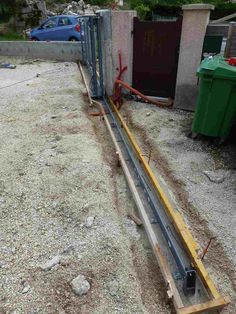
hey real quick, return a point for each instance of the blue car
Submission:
(58, 28)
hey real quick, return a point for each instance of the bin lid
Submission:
(217, 67)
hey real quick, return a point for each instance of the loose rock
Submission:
(89, 221)
(51, 263)
(80, 285)
(215, 177)
(114, 287)
(26, 289)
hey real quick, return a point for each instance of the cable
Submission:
(29, 79)
(26, 80)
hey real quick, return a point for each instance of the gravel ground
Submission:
(201, 183)
(64, 204)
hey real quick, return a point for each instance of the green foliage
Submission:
(10, 35)
(6, 9)
(145, 7)
(142, 10)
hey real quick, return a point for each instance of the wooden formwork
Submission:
(217, 301)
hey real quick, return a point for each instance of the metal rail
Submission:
(92, 51)
(188, 274)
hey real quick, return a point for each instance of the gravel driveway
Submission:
(64, 204)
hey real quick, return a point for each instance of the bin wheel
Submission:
(193, 135)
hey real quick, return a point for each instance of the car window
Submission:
(50, 23)
(64, 21)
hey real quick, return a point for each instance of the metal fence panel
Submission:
(91, 50)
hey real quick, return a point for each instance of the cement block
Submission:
(198, 6)
(58, 51)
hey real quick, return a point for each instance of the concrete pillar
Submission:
(195, 20)
(117, 35)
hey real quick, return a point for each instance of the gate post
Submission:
(229, 42)
(195, 20)
(117, 35)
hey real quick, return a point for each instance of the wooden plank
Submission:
(225, 18)
(215, 304)
(85, 83)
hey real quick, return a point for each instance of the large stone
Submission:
(80, 285)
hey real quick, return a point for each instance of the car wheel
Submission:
(73, 39)
(34, 39)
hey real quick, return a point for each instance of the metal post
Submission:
(229, 39)
(93, 56)
(86, 42)
(82, 39)
(100, 60)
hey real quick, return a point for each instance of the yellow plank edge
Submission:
(215, 304)
(174, 215)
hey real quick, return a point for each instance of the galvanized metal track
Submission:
(154, 206)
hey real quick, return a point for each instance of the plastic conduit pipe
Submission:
(169, 103)
(117, 97)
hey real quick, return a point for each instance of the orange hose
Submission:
(96, 114)
(136, 92)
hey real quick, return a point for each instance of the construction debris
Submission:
(4, 65)
(80, 8)
(135, 219)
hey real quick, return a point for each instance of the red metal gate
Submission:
(155, 59)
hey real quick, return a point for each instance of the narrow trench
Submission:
(150, 279)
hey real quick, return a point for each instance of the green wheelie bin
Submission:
(216, 102)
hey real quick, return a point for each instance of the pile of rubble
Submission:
(80, 8)
(70, 8)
